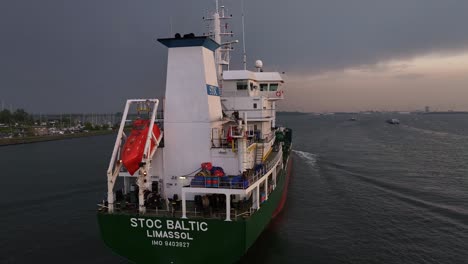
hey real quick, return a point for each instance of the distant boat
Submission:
(393, 121)
(352, 119)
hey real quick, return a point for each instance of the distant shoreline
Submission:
(446, 113)
(37, 139)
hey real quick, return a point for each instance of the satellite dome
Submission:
(258, 64)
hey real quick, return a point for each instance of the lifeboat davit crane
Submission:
(135, 151)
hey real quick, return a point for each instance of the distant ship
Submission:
(201, 183)
(393, 121)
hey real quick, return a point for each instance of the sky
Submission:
(62, 56)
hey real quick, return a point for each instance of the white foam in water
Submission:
(309, 158)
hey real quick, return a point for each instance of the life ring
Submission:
(278, 93)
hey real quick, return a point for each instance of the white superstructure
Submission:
(233, 127)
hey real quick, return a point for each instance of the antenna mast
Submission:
(217, 32)
(244, 58)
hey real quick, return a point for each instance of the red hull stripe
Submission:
(285, 189)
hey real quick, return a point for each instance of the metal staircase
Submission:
(259, 152)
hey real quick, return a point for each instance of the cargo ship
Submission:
(196, 177)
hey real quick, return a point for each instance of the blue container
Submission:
(236, 182)
(224, 181)
(208, 182)
(258, 168)
(246, 184)
(199, 178)
(214, 182)
(236, 179)
(198, 181)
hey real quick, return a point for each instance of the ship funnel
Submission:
(192, 106)
(192, 91)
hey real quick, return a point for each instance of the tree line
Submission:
(18, 116)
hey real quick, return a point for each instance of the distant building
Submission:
(427, 109)
(40, 131)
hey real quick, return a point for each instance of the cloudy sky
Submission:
(338, 55)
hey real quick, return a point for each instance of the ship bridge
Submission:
(244, 83)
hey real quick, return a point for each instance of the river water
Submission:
(361, 192)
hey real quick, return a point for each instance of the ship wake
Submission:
(450, 213)
(309, 158)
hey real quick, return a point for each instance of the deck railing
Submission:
(236, 182)
(237, 212)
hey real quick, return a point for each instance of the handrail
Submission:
(224, 144)
(226, 181)
(171, 212)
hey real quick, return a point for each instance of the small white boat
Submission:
(393, 121)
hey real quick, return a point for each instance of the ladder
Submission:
(259, 152)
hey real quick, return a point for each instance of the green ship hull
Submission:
(156, 239)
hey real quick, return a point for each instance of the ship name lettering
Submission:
(142, 222)
(170, 224)
(203, 226)
(168, 234)
(181, 225)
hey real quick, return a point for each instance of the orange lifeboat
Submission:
(132, 152)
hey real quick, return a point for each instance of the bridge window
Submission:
(242, 85)
(255, 105)
(273, 86)
(264, 87)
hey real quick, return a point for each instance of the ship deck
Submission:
(239, 210)
(216, 196)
